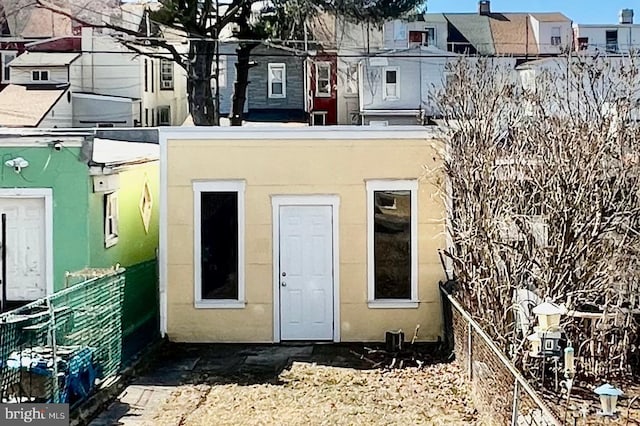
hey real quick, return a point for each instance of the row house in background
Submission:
(276, 90)
(101, 84)
(23, 23)
(398, 84)
(612, 38)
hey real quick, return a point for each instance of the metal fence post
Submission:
(470, 350)
(516, 400)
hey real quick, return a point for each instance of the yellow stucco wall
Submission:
(285, 167)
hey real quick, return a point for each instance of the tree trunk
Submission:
(242, 82)
(201, 107)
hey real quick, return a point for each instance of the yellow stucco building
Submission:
(319, 233)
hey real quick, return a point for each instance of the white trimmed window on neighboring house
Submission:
(392, 243)
(164, 115)
(7, 57)
(40, 75)
(556, 37)
(277, 81)
(166, 74)
(323, 79)
(219, 243)
(111, 219)
(351, 81)
(390, 83)
(319, 118)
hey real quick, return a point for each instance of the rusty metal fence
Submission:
(500, 392)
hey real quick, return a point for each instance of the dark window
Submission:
(146, 116)
(392, 244)
(164, 116)
(219, 239)
(612, 40)
(146, 71)
(583, 43)
(153, 80)
(391, 77)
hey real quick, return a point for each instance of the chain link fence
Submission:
(500, 392)
(55, 349)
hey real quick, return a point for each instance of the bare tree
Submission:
(543, 183)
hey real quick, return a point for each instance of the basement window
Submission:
(110, 219)
(219, 244)
(392, 243)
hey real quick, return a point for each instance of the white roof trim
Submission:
(320, 132)
(390, 112)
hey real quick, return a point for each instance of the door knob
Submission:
(284, 284)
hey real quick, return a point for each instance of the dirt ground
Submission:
(292, 386)
(311, 394)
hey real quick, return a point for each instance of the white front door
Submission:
(306, 273)
(26, 248)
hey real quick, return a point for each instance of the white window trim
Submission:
(392, 185)
(166, 79)
(40, 75)
(217, 186)
(6, 53)
(284, 81)
(164, 108)
(384, 83)
(435, 35)
(313, 118)
(318, 93)
(111, 238)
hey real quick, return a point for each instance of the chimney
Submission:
(484, 7)
(626, 16)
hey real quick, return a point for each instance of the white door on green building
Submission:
(26, 272)
(306, 272)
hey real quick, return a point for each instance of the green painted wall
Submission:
(134, 244)
(68, 177)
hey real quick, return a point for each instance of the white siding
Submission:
(60, 115)
(22, 75)
(545, 31)
(628, 36)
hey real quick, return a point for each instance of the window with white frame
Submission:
(427, 37)
(39, 75)
(219, 243)
(323, 79)
(390, 85)
(352, 79)
(319, 118)
(277, 81)
(110, 219)
(164, 115)
(556, 38)
(166, 74)
(7, 57)
(392, 242)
